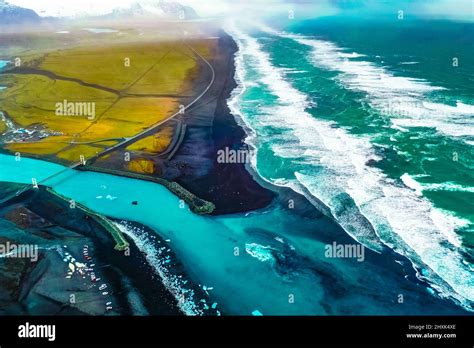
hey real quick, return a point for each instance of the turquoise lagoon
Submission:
(272, 260)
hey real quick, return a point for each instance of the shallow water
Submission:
(272, 261)
(315, 97)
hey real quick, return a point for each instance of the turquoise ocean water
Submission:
(377, 114)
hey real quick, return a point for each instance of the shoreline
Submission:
(318, 227)
(197, 205)
(212, 127)
(64, 235)
(310, 206)
(192, 172)
(237, 188)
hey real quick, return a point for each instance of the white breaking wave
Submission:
(260, 252)
(400, 98)
(445, 186)
(412, 183)
(336, 165)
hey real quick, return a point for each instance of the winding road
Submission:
(149, 131)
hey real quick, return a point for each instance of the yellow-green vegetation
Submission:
(73, 153)
(169, 76)
(106, 143)
(142, 166)
(156, 143)
(206, 48)
(113, 66)
(130, 116)
(33, 98)
(39, 148)
(133, 81)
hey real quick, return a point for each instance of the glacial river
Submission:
(270, 261)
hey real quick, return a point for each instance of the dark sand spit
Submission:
(211, 127)
(40, 218)
(42, 286)
(205, 128)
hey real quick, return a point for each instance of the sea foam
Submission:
(156, 259)
(336, 169)
(402, 98)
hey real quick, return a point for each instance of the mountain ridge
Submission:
(12, 14)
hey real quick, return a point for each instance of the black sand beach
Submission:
(210, 128)
(42, 287)
(27, 286)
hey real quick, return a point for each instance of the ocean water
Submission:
(371, 116)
